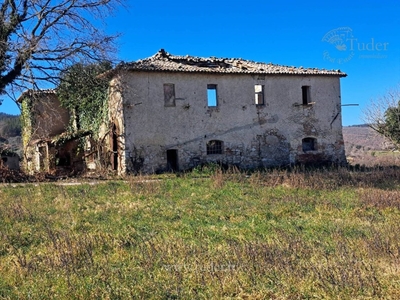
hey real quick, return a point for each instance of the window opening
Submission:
(306, 94)
(212, 95)
(169, 95)
(214, 147)
(259, 94)
(309, 144)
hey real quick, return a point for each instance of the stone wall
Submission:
(162, 111)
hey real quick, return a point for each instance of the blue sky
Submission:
(295, 33)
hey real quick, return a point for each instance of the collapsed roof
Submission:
(162, 61)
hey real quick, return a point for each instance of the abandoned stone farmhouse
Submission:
(172, 113)
(176, 112)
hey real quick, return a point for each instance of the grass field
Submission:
(322, 234)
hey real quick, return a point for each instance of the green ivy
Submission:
(84, 94)
(26, 120)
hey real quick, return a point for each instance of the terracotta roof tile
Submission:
(31, 93)
(163, 61)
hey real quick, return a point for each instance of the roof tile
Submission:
(163, 61)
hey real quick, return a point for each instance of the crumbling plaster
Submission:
(43, 118)
(49, 118)
(253, 135)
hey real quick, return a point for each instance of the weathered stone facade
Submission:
(44, 120)
(173, 112)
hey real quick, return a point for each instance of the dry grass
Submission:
(281, 234)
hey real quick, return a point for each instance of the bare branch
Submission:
(41, 38)
(376, 115)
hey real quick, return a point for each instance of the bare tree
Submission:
(40, 38)
(383, 115)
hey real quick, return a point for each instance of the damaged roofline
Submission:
(230, 73)
(162, 61)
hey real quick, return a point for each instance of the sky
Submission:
(361, 38)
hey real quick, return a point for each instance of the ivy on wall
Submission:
(84, 94)
(26, 120)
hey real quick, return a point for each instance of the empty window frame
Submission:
(214, 147)
(212, 95)
(309, 144)
(305, 91)
(169, 94)
(259, 94)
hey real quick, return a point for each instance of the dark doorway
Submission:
(172, 160)
(42, 157)
(114, 142)
(63, 158)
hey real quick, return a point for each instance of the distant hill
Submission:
(364, 146)
(10, 133)
(5, 116)
(362, 136)
(10, 125)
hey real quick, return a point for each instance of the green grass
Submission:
(274, 235)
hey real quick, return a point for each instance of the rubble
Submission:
(8, 176)
(17, 176)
